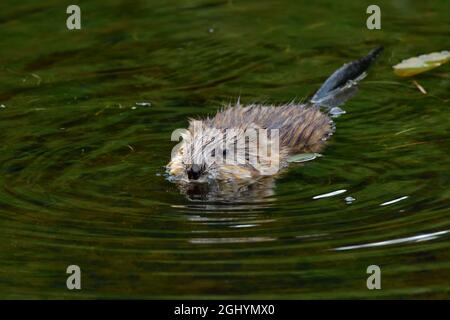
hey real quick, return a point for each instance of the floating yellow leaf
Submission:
(425, 62)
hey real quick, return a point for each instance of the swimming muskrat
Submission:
(301, 128)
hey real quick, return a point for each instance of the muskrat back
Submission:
(303, 127)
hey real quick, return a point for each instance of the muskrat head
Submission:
(207, 153)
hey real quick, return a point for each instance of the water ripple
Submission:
(417, 238)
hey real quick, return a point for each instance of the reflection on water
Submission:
(329, 194)
(85, 125)
(230, 240)
(418, 238)
(393, 201)
(230, 191)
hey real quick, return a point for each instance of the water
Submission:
(86, 119)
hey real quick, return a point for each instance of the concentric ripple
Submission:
(85, 129)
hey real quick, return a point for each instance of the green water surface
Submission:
(81, 164)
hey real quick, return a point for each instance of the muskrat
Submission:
(299, 127)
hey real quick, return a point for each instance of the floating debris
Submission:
(425, 62)
(2, 106)
(143, 104)
(303, 157)
(336, 112)
(394, 201)
(330, 194)
(38, 78)
(349, 200)
(418, 86)
(211, 30)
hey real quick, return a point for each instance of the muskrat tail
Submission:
(342, 84)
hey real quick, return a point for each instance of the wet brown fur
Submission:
(302, 128)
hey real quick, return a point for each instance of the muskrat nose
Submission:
(194, 172)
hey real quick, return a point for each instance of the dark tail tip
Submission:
(374, 53)
(341, 85)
